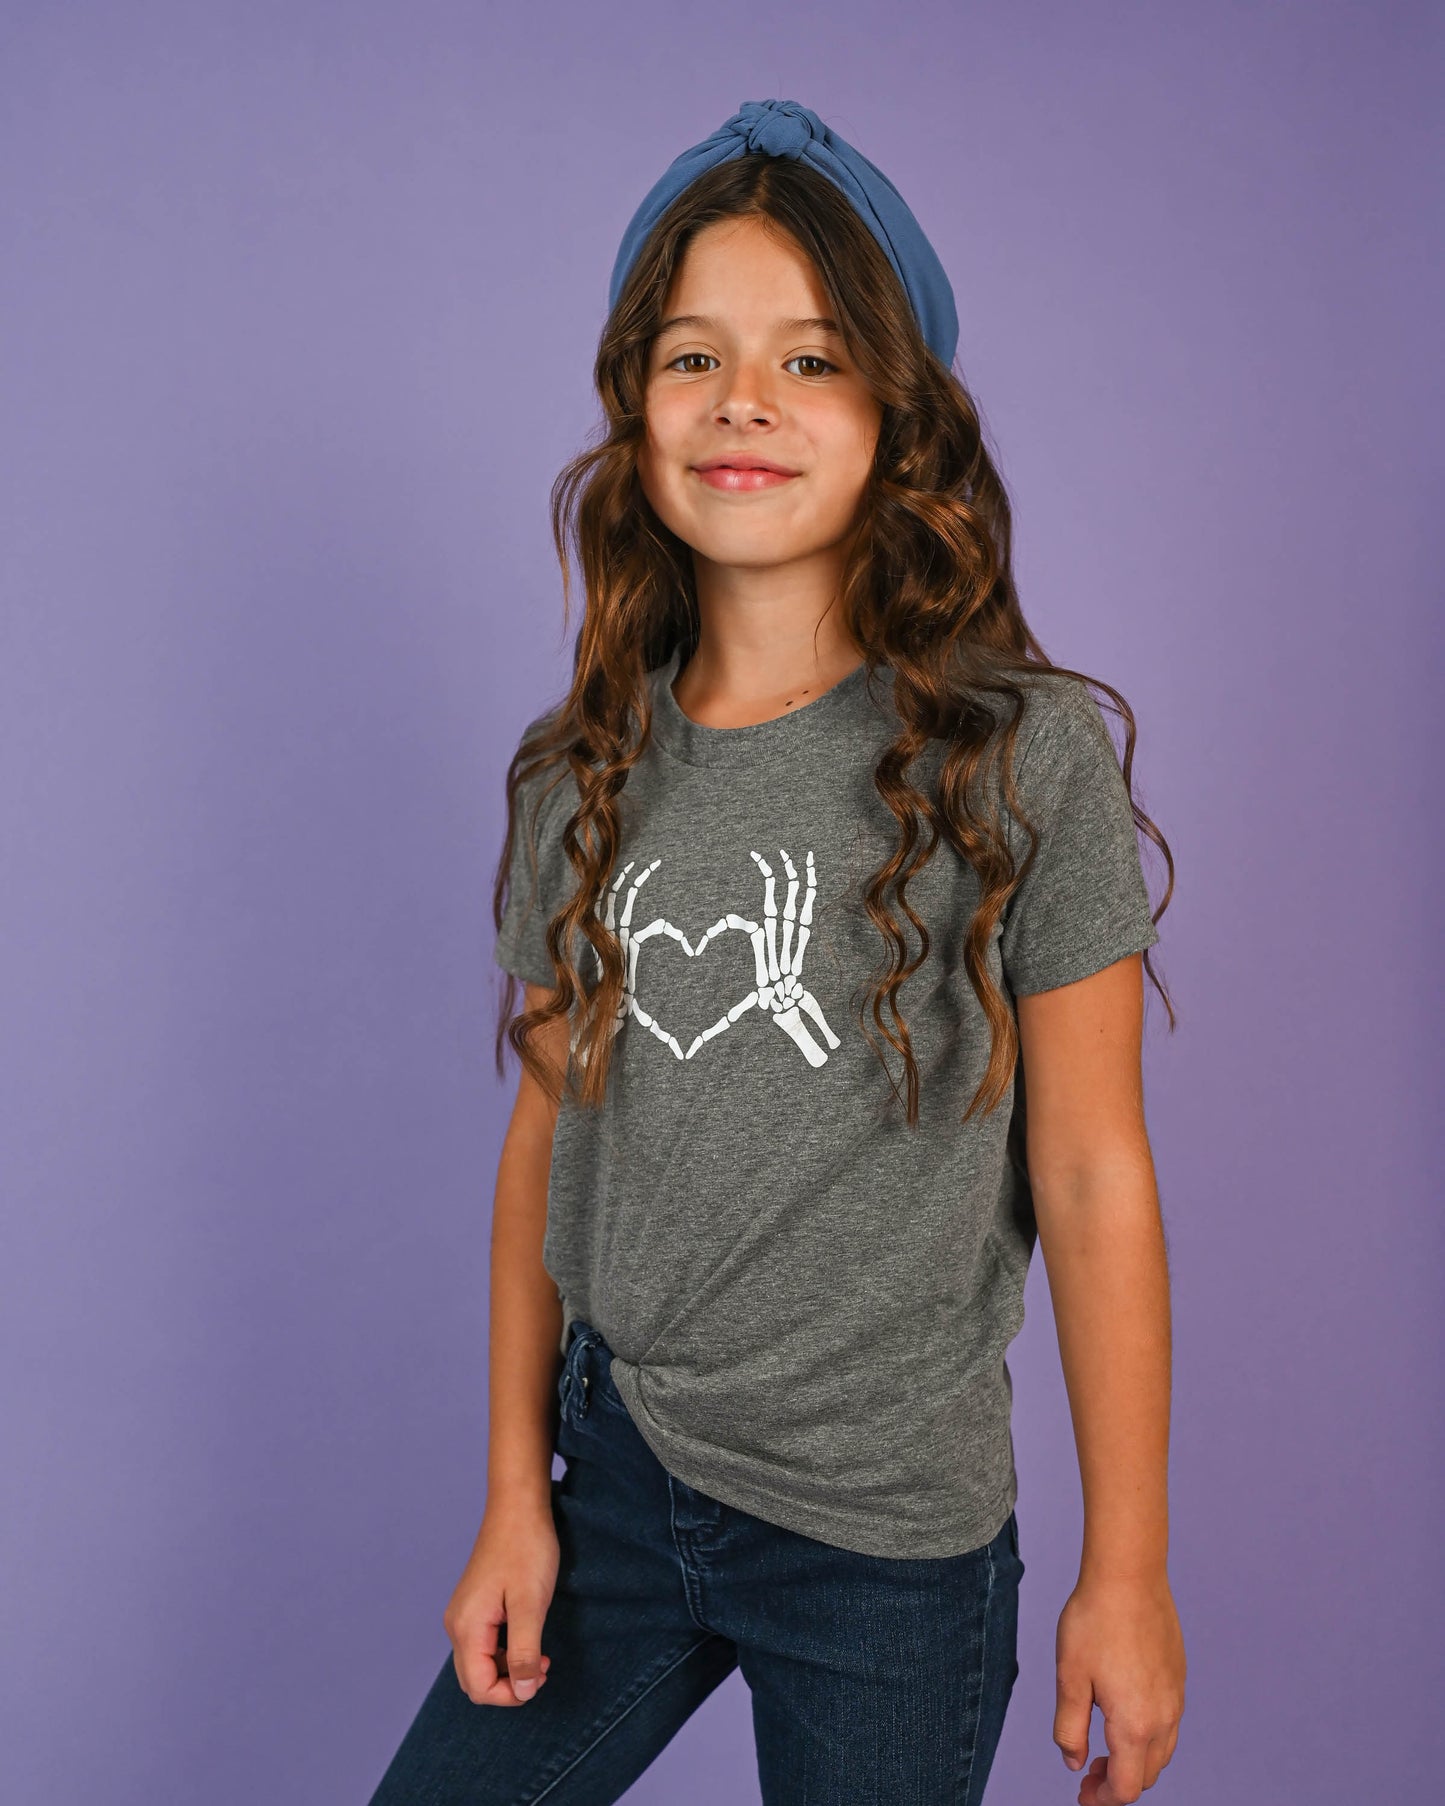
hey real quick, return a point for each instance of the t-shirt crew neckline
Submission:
(696, 744)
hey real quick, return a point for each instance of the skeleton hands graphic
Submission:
(779, 993)
(780, 988)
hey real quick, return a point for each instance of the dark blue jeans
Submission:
(874, 1680)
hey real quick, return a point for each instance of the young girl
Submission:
(816, 872)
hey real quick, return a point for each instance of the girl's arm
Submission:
(1097, 1208)
(512, 1570)
(526, 1312)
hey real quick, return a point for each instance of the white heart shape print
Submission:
(778, 942)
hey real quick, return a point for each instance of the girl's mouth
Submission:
(730, 477)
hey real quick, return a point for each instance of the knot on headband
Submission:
(777, 128)
(783, 128)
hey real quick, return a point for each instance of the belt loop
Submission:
(575, 1386)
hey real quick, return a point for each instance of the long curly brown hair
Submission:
(928, 591)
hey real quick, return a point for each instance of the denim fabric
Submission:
(873, 1679)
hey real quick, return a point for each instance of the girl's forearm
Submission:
(1103, 1246)
(526, 1329)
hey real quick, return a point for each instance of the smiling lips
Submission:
(743, 473)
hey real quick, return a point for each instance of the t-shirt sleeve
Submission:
(1084, 903)
(541, 877)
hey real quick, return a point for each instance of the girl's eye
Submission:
(803, 357)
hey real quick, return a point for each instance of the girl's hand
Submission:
(509, 1579)
(1119, 1645)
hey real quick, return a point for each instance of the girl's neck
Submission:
(771, 638)
(742, 678)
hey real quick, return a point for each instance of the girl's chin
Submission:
(754, 553)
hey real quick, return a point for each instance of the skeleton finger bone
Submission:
(780, 985)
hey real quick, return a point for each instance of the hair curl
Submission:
(928, 590)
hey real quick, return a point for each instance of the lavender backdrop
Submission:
(299, 304)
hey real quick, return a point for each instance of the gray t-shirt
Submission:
(808, 1302)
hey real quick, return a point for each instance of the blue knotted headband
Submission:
(782, 128)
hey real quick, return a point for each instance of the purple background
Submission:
(299, 305)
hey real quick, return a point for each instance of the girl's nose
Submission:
(747, 396)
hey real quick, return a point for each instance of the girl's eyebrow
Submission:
(818, 324)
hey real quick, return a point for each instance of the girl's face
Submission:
(748, 368)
